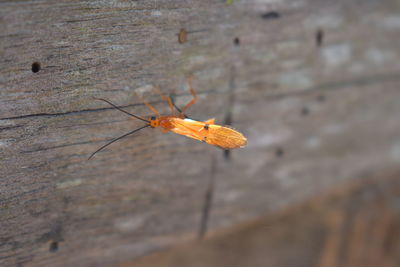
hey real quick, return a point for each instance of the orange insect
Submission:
(205, 131)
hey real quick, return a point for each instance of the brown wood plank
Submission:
(355, 225)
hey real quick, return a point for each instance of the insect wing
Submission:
(189, 128)
(215, 135)
(225, 137)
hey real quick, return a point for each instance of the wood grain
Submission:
(317, 113)
(355, 225)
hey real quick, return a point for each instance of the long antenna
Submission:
(124, 111)
(118, 138)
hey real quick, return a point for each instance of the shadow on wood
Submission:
(357, 225)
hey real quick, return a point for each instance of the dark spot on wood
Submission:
(305, 111)
(227, 154)
(319, 37)
(279, 152)
(35, 67)
(66, 200)
(205, 214)
(54, 235)
(236, 41)
(53, 246)
(206, 126)
(321, 98)
(271, 15)
(182, 36)
(228, 115)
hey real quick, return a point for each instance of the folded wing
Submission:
(216, 135)
(225, 137)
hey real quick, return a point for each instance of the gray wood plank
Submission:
(317, 111)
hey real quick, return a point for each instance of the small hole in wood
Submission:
(53, 246)
(227, 154)
(35, 67)
(271, 15)
(319, 37)
(279, 152)
(305, 111)
(321, 98)
(236, 41)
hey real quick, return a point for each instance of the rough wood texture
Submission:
(313, 84)
(355, 226)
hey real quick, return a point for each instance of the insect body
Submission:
(205, 131)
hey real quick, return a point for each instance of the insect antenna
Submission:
(124, 111)
(118, 138)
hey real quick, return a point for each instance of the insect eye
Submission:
(152, 118)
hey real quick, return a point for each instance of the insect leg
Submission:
(168, 99)
(148, 105)
(194, 100)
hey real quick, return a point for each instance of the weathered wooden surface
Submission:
(315, 88)
(357, 225)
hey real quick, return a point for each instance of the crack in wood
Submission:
(60, 146)
(7, 200)
(341, 85)
(96, 109)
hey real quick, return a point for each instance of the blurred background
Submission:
(312, 84)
